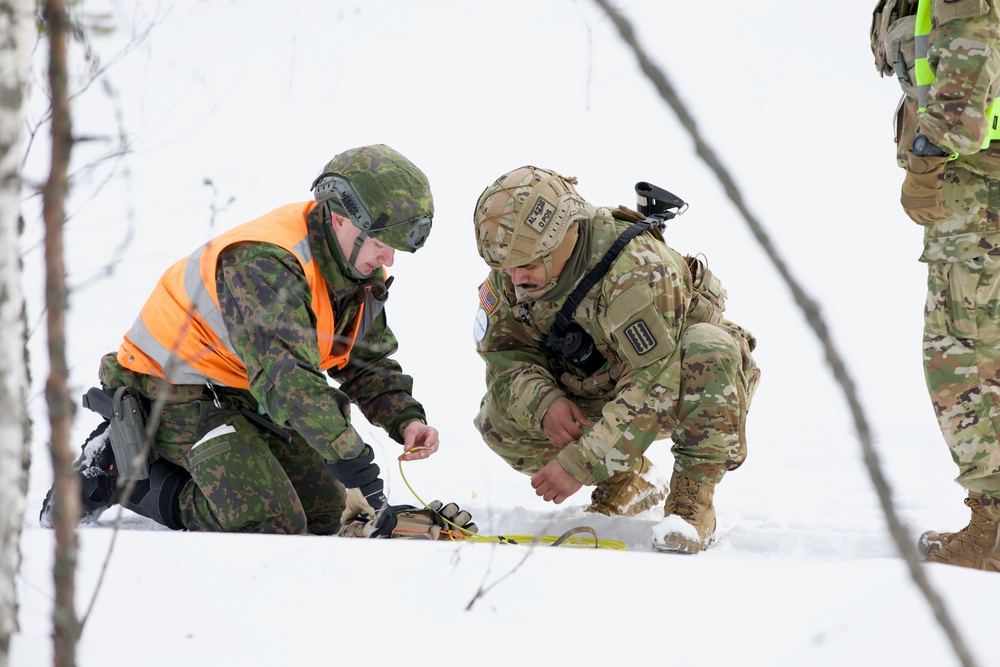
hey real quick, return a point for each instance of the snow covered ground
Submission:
(232, 108)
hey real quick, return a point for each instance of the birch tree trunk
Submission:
(65, 624)
(16, 32)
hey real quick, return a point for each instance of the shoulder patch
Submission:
(638, 327)
(487, 297)
(480, 325)
(641, 338)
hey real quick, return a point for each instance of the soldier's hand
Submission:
(921, 191)
(419, 441)
(563, 422)
(361, 519)
(553, 483)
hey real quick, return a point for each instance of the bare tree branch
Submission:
(16, 29)
(67, 508)
(484, 589)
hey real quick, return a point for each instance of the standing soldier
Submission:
(237, 342)
(577, 397)
(946, 56)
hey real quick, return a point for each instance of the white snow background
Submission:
(231, 108)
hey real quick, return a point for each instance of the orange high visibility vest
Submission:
(180, 328)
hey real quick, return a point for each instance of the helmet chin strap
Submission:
(547, 263)
(355, 248)
(358, 242)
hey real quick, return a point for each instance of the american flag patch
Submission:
(487, 297)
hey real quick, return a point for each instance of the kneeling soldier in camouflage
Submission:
(576, 395)
(235, 345)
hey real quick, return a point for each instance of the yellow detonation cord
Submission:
(570, 538)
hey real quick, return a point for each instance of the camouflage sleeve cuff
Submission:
(348, 445)
(403, 425)
(404, 417)
(573, 459)
(533, 420)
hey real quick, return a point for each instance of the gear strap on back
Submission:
(565, 314)
(656, 206)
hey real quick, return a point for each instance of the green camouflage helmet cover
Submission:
(396, 193)
(524, 215)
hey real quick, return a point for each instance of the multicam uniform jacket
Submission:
(964, 53)
(636, 315)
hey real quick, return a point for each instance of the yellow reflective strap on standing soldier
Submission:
(921, 68)
(925, 75)
(993, 113)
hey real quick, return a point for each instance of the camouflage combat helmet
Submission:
(385, 195)
(525, 215)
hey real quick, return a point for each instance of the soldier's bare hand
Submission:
(419, 441)
(553, 483)
(563, 422)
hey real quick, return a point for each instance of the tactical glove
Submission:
(365, 496)
(452, 517)
(360, 519)
(436, 522)
(921, 191)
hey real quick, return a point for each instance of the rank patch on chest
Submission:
(640, 337)
(488, 297)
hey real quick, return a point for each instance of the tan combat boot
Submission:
(688, 524)
(627, 493)
(976, 546)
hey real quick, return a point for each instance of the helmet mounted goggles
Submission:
(330, 185)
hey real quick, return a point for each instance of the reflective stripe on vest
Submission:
(925, 76)
(181, 329)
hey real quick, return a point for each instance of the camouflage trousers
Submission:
(243, 478)
(962, 365)
(718, 378)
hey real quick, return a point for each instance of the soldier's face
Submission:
(373, 253)
(533, 277)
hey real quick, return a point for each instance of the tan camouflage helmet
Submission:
(385, 195)
(526, 214)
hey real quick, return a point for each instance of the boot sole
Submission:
(928, 546)
(45, 516)
(682, 546)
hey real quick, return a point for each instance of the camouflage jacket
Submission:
(964, 53)
(265, 300)
(635, 315)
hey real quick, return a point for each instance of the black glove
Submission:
(384, 521)
(362, 474)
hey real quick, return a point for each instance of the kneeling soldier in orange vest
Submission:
(229, 359)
